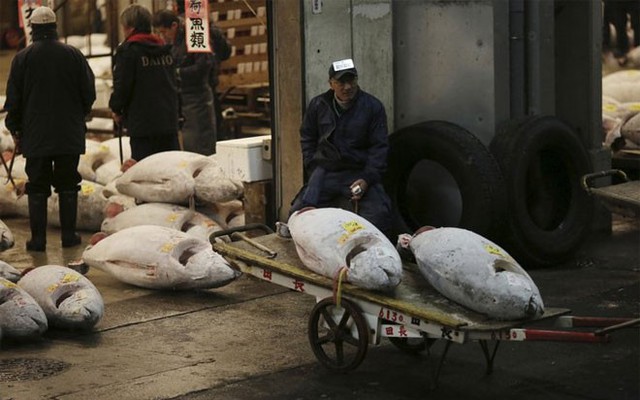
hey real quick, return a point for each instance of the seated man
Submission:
(344, 140)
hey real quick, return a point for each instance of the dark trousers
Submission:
(199, 130)
(61, 172)
(332, 189)
(145, 146)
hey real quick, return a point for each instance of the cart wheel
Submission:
(412, 345)
(339, 336)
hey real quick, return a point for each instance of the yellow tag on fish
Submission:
(69, 278)
(494, 250)
(183, 164)
(86, 190)
(634, 106)
(350, 227)
(609, 107)
(104, 148)
(172, 217)
(8, 284)
(167, 247)
(52, 287)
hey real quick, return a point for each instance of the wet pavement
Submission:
(248, 340)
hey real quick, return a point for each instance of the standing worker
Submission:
(344, 139)
(194, 69)
(145, 91)
(221, 52)
(50, 91)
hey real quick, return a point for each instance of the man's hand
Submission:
(117, 118)
(358, 188)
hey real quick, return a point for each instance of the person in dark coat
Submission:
(194, 69)
(344, 140)
(50, 91)
(145, 90)
(221, 52)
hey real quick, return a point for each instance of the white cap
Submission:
(43, 15)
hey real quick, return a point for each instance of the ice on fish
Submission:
(162, 214)
(11, 201)
(157, 257)
(6, 237)
(476, 273)
(8, 272)
(94, 155)
(328, 239)
(20, 314)
(213, 186)
(68, 299)
(166, 177)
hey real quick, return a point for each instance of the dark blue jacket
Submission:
(50, 90)
(357, 140)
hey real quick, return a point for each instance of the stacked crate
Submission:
(244, 23)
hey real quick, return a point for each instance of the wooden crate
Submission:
(245, 26)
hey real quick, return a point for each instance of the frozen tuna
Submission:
(8, 272)
(68, 299)
(94, 156)
(12, 202)
(156, 257)
(328, 239)
(20, 314)
(166, 177)
(163, 214)
(93, 202)
(6, 237)
(213, 186)
(476, 273)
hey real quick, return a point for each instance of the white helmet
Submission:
(43, 15)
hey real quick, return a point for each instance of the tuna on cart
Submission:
(347, 319)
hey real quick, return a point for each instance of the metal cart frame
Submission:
(347, 319)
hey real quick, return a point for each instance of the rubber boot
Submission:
(37, 221)
(68, 204)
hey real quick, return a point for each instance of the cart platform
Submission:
(414, 296)
(347, 319)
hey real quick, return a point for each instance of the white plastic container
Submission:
(244, 159)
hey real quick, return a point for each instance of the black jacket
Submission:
(194, 69)
(357, 140)
(50, 90)
(144, 87)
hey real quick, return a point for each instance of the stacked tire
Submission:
(523, 191)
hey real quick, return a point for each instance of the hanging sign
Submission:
(196, 33)
(25, 9)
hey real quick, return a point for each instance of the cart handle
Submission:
(243, 228)
(588, 179)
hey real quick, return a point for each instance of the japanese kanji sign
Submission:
(25, 9)
(196, 17)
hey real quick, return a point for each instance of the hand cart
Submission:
(347, 319)
(622, 198)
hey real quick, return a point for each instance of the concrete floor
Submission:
(248, 340)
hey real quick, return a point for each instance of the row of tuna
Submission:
(621, 109)
(147, 256)
(47, 296)
(175, 177)
(460, 264)
(463, 266)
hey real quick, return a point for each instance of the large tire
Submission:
(440, 174)
(542, 161)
